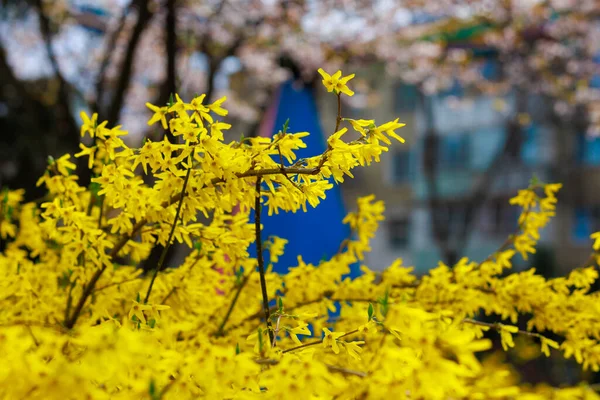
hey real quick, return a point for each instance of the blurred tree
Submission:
(545, 49)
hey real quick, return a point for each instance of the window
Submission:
(588, 152)
(398, 233)
(456, 90)
(453, 152)
(586, 221)
(401, 167)
(530, 147)
(491, 69)
(451, 216)
(405, 98)
(498, 217)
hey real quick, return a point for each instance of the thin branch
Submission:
(116, 104)
(174, 288)
(338, 118)
(346, 371)
(232, 305)
(332, 368)
(88, 289)
(106, 58)
(497, 326)
(276, 331)
(116, 284)
(304, 345)
(169, 240)
(35, 341)
(64, 108)
(259, 259)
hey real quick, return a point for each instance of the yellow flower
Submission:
(160, 114)
(596, 237)
(301, 329)
(390, 127)
(526, 198)
(137, 310)
(89, 124)
(506, 338)
(275, 247)
(180, 107)
(330, 339)
(63, 165)
(354, 349)
(369, 327)
(89, 151)
(546, 344)
(216, 107)
(359, 125)
(336, 83)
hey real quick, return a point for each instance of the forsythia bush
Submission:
(79, 319)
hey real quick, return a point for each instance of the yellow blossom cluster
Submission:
(80, 319)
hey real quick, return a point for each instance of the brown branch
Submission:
(260, 260)
(116, 284)
(106, 58)
(88, 289)
(333, 368)
(232, 305)
(65, 115)
(497, 326)
(304, 345)
(338, 118)
(116, 104)
(159, 266)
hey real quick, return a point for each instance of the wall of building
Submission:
(482, 123)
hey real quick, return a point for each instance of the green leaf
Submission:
(370, 311)
(152, 323)
(95, 188)
(171, 100)
(286, 124)
(64, 280)
(237, 349)
(138, 298)
(50, 160)
(198, 245)
(280, 304)
(260, 340)
(239, 273)
(154, 394)
(534, 180)
(385, 302)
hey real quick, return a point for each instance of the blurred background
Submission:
(494, 93)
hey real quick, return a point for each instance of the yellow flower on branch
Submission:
(87, 151)
(330, 339)
(160, 114)
(137, 310)
(336, 83)
(216, 107)
(301, 329)
(89, 124)
(596, 237)
(546, 344)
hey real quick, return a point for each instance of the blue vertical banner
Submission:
(317, 233)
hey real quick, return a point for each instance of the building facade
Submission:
(471, 133)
